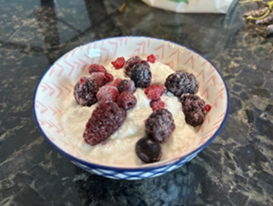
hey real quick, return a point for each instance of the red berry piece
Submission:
(157, 104)
(160, 125)
(107, 93)
(116, 82)
(151, 58)
(99, 78)
(85, 91)
(118, 63)
(104, 121)
(96, 68)
(109, 77)
(154, 92)
(148, 150)
(126, 85)
(207, 107)
(127, 100)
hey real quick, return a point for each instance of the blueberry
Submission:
(148, 150)
(141, 75)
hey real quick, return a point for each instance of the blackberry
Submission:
(160, 125)
(194, 109)
(133, 61)
(126, 85)
(148, 150)
(141, 75)
(181, 82)
(85, 91)
(105, 120)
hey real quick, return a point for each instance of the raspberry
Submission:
(96, 68)
(107, 93)
(126, 100)
(109, 77)
(207, 107)
(104, 121)
(116, 82)
(151, 58)
(148, 150)
(154, 92)
(193, 108)
(160, 125)
(141, 75)
(99, 78)
(157, 104)
(118, 63)
(85, 91)
(181, 83)
(126, 85)
(133, 61)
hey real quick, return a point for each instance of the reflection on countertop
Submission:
(236, 169)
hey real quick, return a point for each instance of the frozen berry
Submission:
(116, 82)
(148, 150)
(181, 82)
(151, 58)
(107, 93)
(104, 121)
(207, 107)
(126, 85)
(118, 63)
(160, 125)
(96, 68)
(193, 108)
(99, 78)
(154, 92)
(109, 77)
(126, 100)
(141, 75)
(130, 63)
(85, 91)
(157, 104)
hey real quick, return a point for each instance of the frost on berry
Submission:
(107, 93)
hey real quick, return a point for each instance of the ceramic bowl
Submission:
(59, 80)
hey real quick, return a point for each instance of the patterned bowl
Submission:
(58, 82)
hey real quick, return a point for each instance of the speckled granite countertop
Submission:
(236, 169)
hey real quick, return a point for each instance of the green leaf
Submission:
(180, 1)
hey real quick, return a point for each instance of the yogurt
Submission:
(119, 148)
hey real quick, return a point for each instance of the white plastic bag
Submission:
(191, 6)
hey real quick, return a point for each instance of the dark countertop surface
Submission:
(236, 169)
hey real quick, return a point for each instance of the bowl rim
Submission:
(146, 167)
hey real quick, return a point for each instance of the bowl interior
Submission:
(59, 80)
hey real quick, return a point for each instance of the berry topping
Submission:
(154, 92)
(108, 93)
(151, 58)
(96, 68)
(126, 85)
(116, 82)
(104, 121)
(148, 150)
(109, 77)
(181, 82)
(118, 63)
(85, 91)
(157, 104)
(126, 100)
(207, 107)
(130, 63)
(160, 125)
(193, 108)
(99, 78)
(141, 75)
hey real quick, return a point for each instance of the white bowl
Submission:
(60, 78)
